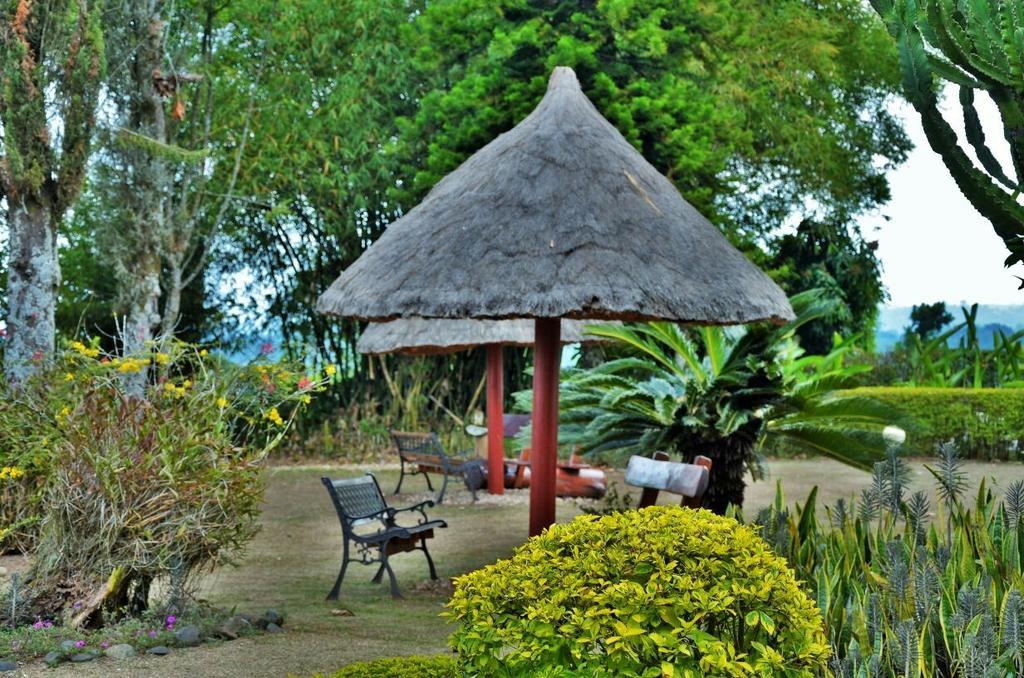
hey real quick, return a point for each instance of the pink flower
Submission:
(38, 625)
(267, 348)
(152, 634)
(304, 383)
(79, 644)
(104, 645)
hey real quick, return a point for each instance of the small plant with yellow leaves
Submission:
(661, 591)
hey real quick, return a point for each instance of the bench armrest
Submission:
(392, 512)
(375, 514)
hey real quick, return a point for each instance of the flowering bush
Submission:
(140, 487)
(8, 474)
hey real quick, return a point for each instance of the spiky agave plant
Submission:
(727, 393)
(904, 597)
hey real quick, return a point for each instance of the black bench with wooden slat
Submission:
(359, 502)
(423, 453)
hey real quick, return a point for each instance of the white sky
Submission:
(936, 247)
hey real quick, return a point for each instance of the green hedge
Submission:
(986, 423)
(439, 666)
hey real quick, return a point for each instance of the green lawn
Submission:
(293, 562)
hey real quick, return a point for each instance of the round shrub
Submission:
(401, 667)
(659, 591)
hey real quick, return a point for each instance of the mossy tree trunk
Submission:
(33, 277)
(51, 66)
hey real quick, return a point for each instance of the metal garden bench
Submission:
(359, 502)
(423, 452)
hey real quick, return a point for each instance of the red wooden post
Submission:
(544, 442)
(495, 420)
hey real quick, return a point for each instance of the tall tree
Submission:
(927, 320)
(172, 129)
(833, 257)
(51, 67)
(319, 167)
(754, 109)
(978, 46)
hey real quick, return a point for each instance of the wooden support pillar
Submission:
(495, 420)
(544, 442)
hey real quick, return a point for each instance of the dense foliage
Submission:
(833, 257)
(927, 320)
(663, 591)
(986, 423)
(927, 358)
(401, 667)
(130, 491)
(717, 95)
(720, 392)
(908, 589)
(312, 126)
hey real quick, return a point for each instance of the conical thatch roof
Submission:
(559, 217)
(433, 335)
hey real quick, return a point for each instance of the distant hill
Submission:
(892, 320)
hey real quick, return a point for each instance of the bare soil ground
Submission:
(293, 562)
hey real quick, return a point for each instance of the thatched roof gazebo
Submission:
(432, 336)
(560, 217)
(423, 336)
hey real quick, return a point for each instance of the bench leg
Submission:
(444, 486)
(380, 574)
(430, 561)
(401, 477)
(333, 595)
(395, 593)
(426, 476)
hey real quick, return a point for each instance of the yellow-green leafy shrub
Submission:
(401, 667)
(663, 591)
(985, 423)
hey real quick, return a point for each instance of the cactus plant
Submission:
(977, 45)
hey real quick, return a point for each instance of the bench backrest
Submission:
(357, 500)
(418, 446)
(513, 423)
(656, 474)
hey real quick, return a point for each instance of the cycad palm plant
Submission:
(722, 392)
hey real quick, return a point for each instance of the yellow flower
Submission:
(186, 383)
(330, 370)
(69, 377)
(162, 358)
(171, 390)
(222, 403)
(305, 399)
(203, 353)
(273, 415)
(12, 472)
(131, 366)
(87, 351)
(64, 411)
